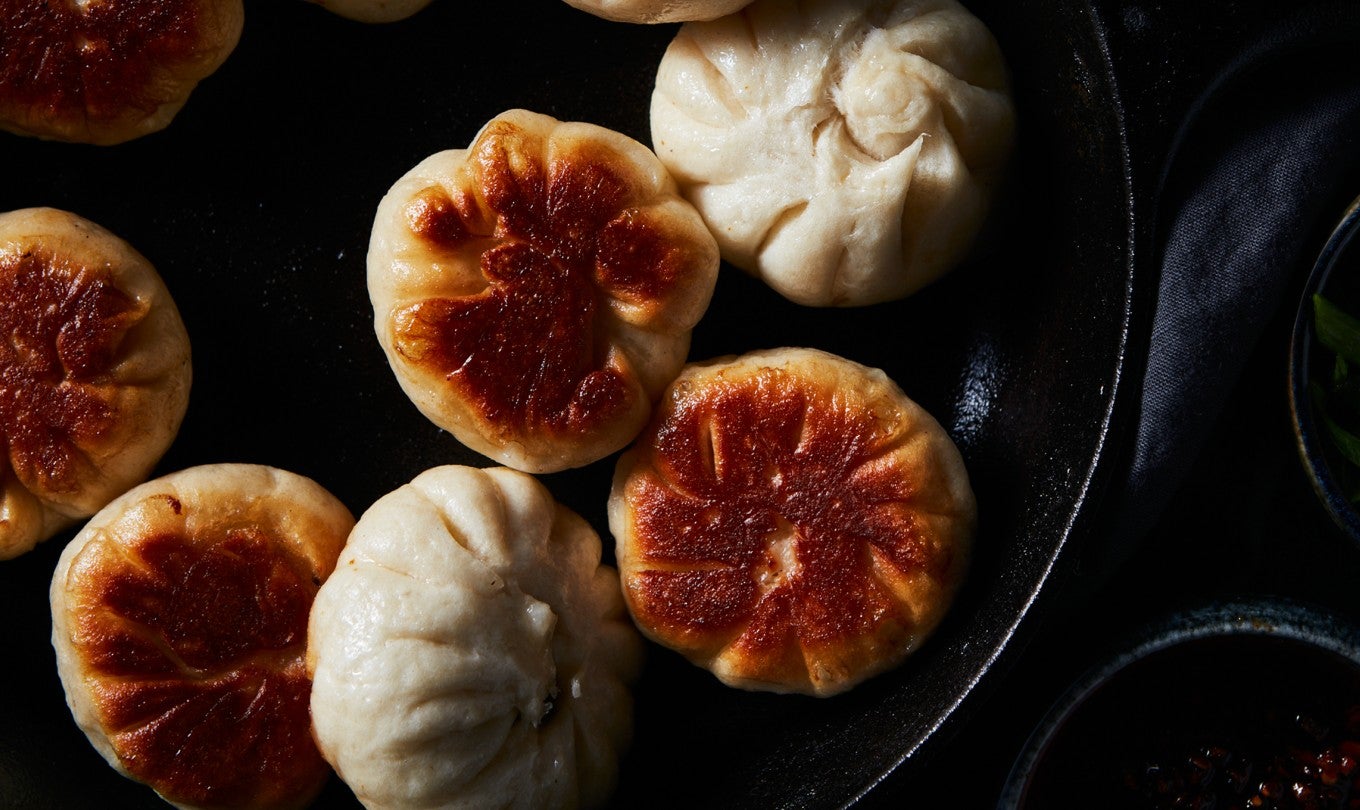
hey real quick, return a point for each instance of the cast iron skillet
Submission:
(255, 205)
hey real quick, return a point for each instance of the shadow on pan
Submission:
(255, 205)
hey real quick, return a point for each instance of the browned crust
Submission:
(94, 372)
(792, 521)
(106, 71)
(65, 327)
(556, 244)
(180, 623)
(525, 352)
(195, 650)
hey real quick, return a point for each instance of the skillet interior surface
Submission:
(255, 206)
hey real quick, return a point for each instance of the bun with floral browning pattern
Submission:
(791, 521)
(94, 375)
(535, 292)
(107, 71)
(179, 619)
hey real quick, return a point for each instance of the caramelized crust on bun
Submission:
(180, 626)
(535, 292)
(94, 373)
(107, 71)
(791, 521)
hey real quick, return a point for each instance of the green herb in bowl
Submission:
(1338, 404)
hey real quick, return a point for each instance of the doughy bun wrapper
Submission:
(471, 650)
(846, 152)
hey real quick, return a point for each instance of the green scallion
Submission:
(1336, 329)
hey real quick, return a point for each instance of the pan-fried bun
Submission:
(179, 619)
(791, 521)
(472, 651)
(94, 375)
(535, 292)
(107, 71)
(846, 152)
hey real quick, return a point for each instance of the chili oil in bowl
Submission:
(1250, 704)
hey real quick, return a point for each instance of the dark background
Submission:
(256, 204)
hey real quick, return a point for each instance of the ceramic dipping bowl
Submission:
(1220, 706)
(1313, 388)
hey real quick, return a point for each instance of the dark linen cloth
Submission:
(1269, 160)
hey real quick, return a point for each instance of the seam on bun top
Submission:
(472, 651)
(844, 151)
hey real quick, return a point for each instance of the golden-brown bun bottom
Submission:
(179, 620)
(94, 378)
(791, 521)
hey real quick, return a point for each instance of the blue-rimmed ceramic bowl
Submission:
(1336, 274)
(1231, 685)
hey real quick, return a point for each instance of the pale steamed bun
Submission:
(471, 651)
(844, 151)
